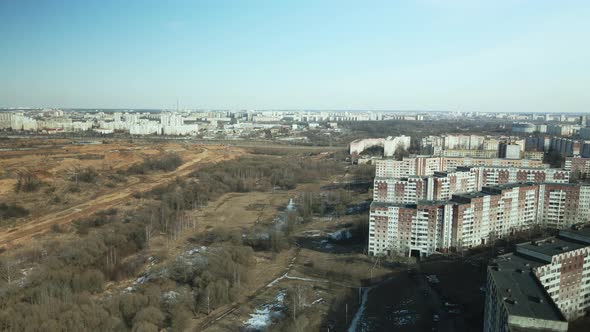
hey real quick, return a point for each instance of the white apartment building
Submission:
(409, 228)
(391, 144)
(5, 119)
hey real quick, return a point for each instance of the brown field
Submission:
(54, 163)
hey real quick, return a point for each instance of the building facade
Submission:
(474, 219)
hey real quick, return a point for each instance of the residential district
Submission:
(432, 193)
(472, 190)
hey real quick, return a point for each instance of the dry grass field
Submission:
(57, 163)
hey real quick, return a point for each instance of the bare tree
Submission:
(298, 299)
(9, 271)
(148, 234)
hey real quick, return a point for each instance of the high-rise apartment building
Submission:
(474, 218)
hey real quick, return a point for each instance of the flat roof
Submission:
(582, 234)
(508, 185)
(536, 168)
(409, 205)
(470, 195)
(386, 204)
(552, 246)
(431, 202)
(401, 178)
(520, 291)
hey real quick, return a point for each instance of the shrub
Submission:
(27, 182)
(8, 211)
(87, 175)
(167, 163)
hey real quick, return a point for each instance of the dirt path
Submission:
(25, 231)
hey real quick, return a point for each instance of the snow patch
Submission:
(359, 313)
(264, 314)
(193, 251)
(320, 300)
(342, 234)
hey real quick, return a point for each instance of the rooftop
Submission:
(462, 197)
(519, 289)
(408, 205)
(386, 204)
(552, 246)
(403, 178)
(504, 186)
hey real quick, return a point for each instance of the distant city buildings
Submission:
(242, 124)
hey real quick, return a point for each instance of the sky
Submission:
(460, 55)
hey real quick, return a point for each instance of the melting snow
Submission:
(361, 309)
(263, 315)
(342, 234)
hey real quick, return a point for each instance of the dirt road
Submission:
(30, 228)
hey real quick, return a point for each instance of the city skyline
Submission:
(524, 56)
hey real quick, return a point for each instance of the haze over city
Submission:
(508, 55)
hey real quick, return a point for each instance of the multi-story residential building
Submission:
(5, 119)
(560, 130)
(495, 212)
(536, 143)
(463, 142)
(501, 175)
(406, 228)
(541, 286)
(560, 203)
(442, 185)
(449, 163)
(571, 148)
(415, 166)
(516, 302)
(400, 190)
(578, 166)
(427, 165)
(483, 216)
(392, 144)
(470, 153)
(510, 150)
(535, 155)
(359, 145)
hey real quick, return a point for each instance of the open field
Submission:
(54, 165)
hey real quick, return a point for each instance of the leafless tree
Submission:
(9, 271)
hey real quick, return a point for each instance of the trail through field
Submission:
(25, 231)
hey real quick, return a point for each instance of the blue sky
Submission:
(496, 55)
